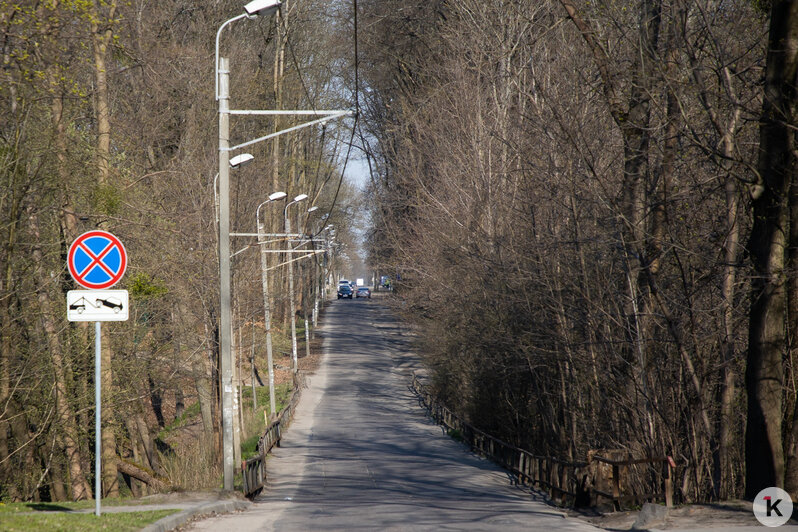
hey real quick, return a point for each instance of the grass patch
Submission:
(257, 423)
(64, 506)
(300, 328)
(67, 522)
(455, 435)
(189, 413)
(282, 393)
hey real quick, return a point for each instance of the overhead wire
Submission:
(354, 128)
(316, 189)
(299, 71)
(354, 124)
(312, 102)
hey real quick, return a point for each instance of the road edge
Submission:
(173, 521)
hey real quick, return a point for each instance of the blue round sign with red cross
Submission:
(97, 260)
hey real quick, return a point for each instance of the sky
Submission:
(357, 172)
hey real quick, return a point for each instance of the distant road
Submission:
(361, 455)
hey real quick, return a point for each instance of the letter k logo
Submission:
(773, 506)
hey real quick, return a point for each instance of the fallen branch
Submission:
(139, 473)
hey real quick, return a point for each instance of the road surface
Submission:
(361, 454)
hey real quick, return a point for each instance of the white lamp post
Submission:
(222, 94)
(222, 76)
(267, 316)
(292, 305)
(311, 289)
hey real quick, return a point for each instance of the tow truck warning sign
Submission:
(97, 305)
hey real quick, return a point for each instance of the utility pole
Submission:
(292, 305)
(222, 81)
(267, 314)
(226, 324)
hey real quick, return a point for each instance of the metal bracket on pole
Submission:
(293, 251)
(294, 260)
(287, 112)
(338, 114)
(269, 235)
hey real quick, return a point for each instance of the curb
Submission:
(173, 521)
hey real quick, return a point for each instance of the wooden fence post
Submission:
(616, 486)
(539, 472)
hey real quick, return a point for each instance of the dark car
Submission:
(344, 291)
(363, 291)
(111, 303)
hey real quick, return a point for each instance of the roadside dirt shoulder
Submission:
(722, 516)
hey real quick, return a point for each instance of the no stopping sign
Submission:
(97, 260)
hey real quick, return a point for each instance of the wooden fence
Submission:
(625, 480)
(254, 470)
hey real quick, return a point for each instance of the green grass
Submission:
(456, 435)
(64, 506)
(24, 517)
(300, 329)
(281, 397)
(188, 413)
(249, 446)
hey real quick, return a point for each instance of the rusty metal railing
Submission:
(253, 471)
(566, 482)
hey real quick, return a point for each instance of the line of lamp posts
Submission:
(262, 243)
(253, 9)
(318, 290)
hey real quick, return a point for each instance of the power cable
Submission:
(299, 71)
(357, 69)
(312, 102)
(354, 124)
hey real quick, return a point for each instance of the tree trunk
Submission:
(5, 372)
(728, 386)
(143, 475)
(20, 429)
(204, 394)
(632, 118)
(57, 476)
(787, 38)
(764, 454)
(132, 431)
(101, 37)
(178, 381)
(66, 418)
(236, 405)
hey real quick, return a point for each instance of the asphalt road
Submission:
(361, 454)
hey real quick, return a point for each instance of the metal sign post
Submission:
(98, 487)
(97, 260)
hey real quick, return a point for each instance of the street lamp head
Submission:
(277, 196)
(262, 7)
(313, 208)
(301, 197)
(241, 160)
